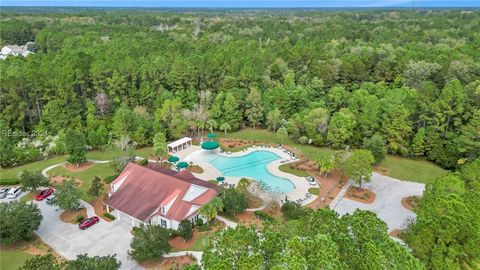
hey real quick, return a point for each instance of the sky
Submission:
(244, 3)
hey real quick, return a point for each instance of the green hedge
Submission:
(264, 216)
(109, 216)
(8, 181)
(109, 179)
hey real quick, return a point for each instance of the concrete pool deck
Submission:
(211, 173)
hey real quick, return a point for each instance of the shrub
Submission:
(234, 202)
(79, 218)
(185, 229)
(109, 216)
(143, 162)
(199, 222)
(292, 210)
(8, 181)
(109, 179)
(263, 216)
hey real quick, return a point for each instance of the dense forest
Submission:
(333, 78)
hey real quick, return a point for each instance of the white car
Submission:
(14, 192)
(50, 198)
(3, 192)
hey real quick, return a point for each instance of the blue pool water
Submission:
(253, 166)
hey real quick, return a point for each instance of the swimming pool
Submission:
(252, 165)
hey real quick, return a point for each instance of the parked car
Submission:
(3, 192)
(50, 198)
(14, 192)
(88, 222)
(44, 194)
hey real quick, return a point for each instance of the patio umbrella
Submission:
(182, 165)
(210, 145)
(173, 159)
(212, 135)
(220, 179)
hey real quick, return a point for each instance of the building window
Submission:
(163, 210)
(163, 222)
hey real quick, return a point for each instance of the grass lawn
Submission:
(100, 170)
(412, 170)
(401, 168)
(13, 259)
(314, 191)
(12, 173)
(201, 243)
(286, 168)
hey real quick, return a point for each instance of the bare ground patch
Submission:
(82, 167)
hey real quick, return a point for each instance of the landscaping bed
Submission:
(82, 167)
(169, 263)
(411, 202)
(360, 195)
(291, 168)
(100, 209)
(195, 169)
(71, 216)
(232, 144)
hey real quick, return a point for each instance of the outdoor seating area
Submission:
(311, 180)
(300, 201)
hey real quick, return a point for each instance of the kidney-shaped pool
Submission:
(252, 165)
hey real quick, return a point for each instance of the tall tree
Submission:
(149, 243)
(359, 166)
(31, 180)
(75, 145)
(66, 195)
(254, 108)
(274, 118)
(340, 128)
(19, 221)
(376, 145)
(159, 144)
(96, 188)
(211, 209)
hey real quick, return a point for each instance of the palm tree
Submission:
(225, 127)
(282, 132)
(212, 124)
(211, 209)
(326, 164)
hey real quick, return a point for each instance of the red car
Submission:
(44, 194)
(88, 222)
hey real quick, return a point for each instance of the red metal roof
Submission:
(145, 189)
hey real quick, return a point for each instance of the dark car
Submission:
(44, 194)
(88, 222)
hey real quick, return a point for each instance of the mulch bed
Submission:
(410, 202)
(180, 243)
(329, 189)
(249, 219)
(168, 263)
(234, 143)
(70, 216)
(195, 169)
(100, 208)
(73, 167)
(360, 195)
(396, 233)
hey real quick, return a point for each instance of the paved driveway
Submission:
(104, 238)
(387, 205)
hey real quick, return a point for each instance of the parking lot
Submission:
(387, 205)
(104, 238)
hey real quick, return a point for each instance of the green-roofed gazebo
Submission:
(210, 145)
(173, 159)
(182, 165)
(220, 179)
(212, 135)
